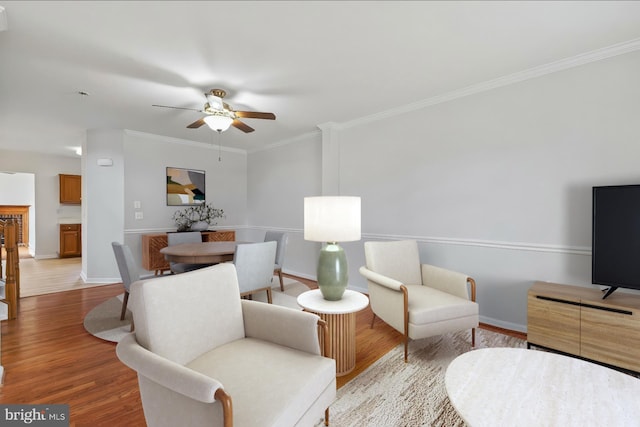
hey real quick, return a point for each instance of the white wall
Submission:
(146, 159)
(102, 204)
(46, 168)
(496, 184)
(278, 180)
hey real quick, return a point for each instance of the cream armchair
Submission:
(204, 357)
(418, 300)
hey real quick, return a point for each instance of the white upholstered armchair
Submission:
(204, 357)
(418, 300)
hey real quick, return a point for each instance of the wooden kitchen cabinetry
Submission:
(70, 189)
(153, 260)
(576, 320)
(70, 240)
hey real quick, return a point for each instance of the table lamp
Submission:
(332, 219)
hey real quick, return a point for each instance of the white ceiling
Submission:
(308, 62)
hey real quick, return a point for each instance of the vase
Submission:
(199, 226)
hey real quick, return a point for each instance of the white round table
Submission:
(341, 318)
(514, 386)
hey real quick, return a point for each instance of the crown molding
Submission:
(180, 141)
(293, 140)
(542, 70)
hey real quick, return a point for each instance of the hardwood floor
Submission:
(46, 276)
(49, 358)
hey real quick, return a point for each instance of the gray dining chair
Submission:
(254, 265)
(179, 238)
(129, 271)
(281, 238)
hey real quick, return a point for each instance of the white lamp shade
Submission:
(332, 219)
(218, 122)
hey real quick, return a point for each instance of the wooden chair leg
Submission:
(124, 305)
(269, 300)
(281, 281)
(473, 338)
(326, 417)
(373, 319)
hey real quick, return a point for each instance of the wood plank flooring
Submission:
(45, 276)
(49, 358)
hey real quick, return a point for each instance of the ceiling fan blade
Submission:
(242, 126)
(196, 124)
(177, 108)
(255, 115)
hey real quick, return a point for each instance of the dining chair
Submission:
(281, 238)
(129, 271)
(179, 238)
(254, 264)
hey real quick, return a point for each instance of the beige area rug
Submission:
(292, 289)
(391, 393)
(104, 322)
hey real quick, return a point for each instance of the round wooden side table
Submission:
(341, 319)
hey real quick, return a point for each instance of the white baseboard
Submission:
(502, 324)
(49, 256)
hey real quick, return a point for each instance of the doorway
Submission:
(17, 200)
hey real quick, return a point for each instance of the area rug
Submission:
(394, 393)
(104, 322)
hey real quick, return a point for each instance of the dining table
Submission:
(201, 252)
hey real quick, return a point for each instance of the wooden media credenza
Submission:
(577, 321)
(153, 260)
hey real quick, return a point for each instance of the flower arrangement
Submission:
(203, 213)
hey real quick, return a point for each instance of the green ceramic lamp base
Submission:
(333, 275)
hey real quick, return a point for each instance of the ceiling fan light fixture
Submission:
(215, 102)
(219, 121)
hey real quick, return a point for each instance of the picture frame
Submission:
(185, 187)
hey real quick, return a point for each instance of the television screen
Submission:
(615, 246)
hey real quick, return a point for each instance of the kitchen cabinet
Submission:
(70, 189)
(70, 240)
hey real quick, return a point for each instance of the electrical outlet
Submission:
(138, 215)
(136, 204)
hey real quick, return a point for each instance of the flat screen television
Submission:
(615, 244)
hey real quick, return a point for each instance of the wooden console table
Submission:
(153, 260)
(576, 320)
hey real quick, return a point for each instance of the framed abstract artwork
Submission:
(185, 187)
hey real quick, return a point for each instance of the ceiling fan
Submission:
(219, 116)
